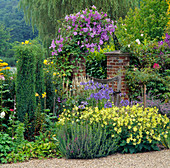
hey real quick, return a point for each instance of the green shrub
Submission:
(139, 129)
(6, 146)
(45, 146)
(30, 80)
(85, 141)
(96, 62)
(150, 20)
(25, 83)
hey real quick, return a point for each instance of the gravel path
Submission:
(156, 159)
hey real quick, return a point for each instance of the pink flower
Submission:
(2, 77)
(156, 66)
(11, 109)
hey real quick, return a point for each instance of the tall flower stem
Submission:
(144, 96)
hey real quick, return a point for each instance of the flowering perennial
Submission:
(99, 92)
(133, 124)
(89, 29)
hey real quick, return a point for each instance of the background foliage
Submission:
(49, 11)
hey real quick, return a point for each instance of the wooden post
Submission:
(144, 95)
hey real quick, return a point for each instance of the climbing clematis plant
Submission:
(86, 30)
(80, 33)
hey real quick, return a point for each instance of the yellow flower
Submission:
(115, 129)
(135, 129)
(147, 132)
(36, 94)
(55, 90)
(26, 42)
(64, 74)
(128, 140)
(165, 136)
(45, 62)
(54, 73)
(22, 43)
(44, 95)
(1, 60)
(7, 68)
(52, 62)
(5, 64)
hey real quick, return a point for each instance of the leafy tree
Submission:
(13, 18)
(45, 13)
(4, 39)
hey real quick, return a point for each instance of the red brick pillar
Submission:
(80, 63)
(117, 61)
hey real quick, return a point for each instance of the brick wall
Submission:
(116, 62)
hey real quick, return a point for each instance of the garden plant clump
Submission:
(136, 129)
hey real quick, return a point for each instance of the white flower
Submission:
(142, 35)
(2, 115)
(129, 45)
(125, 29)
(138, 41)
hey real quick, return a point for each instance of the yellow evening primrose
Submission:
(147, 132)
(22, 43)
(128, 140)
(115, 128)
(26, 42)
(135, 129)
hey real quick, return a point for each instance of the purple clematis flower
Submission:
(52, 44)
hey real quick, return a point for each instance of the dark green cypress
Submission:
(25, 82)
(39, 72)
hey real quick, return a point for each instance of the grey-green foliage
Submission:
(45, 13)
(85, 141)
